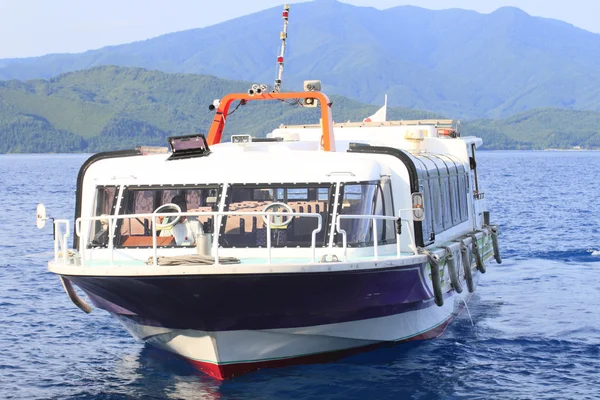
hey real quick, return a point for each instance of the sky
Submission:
(37, 27)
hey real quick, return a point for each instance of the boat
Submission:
(309, 244)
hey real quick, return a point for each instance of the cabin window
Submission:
(251, 230)
(463, 184)
(454, 191)
(436, 202)
(474, 169)
(389, 234)
(137, 231)
(446, 209)
(444, 183)
(427, 226)
(104, 204)
(368, 198)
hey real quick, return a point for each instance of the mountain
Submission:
(456, 62)
(539, 129)
(109, 108)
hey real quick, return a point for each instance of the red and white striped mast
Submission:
(283, 36)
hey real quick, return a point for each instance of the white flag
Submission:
(380, 115)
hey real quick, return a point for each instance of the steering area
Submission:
(167, 221)
(277, 221)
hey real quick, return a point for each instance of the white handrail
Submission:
(410, 231)
(374, 218)
(60, 239)
(112, 220)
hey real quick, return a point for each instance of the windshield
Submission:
(366, 198)
(250, 231)
(137, 231)
(240, 231)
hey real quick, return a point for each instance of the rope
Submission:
(192, 260)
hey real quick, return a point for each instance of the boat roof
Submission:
(291, 153)
(298, 162)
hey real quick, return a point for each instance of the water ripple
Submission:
(536, 334)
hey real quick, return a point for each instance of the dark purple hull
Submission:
(259, 301)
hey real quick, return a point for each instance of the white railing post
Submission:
(111, 245)
(81, 246)
(154, 242)
(410, 232)
(112, 223)
(217, 228)
(65, 236)
(344, 238)
(60, 240)
(375, 219)
(375, 241)
(56, 233)
(313, 243)
(412, 239)
(216, 233)
(268, 240)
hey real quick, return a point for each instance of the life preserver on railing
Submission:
(466, 262)
(434, 265)
(454, 280)
(478, 259)
(497, 257)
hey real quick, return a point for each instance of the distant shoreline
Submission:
(479, 150)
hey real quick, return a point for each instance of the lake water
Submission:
(536, 332)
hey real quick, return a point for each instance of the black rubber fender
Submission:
(434, 263)
(497, 257)
(477, 254)
(451, 264)
(466, 262)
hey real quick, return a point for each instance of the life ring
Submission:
(450, 263)
(466, 262)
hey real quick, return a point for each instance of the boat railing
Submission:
(60, 239)
(376, 218)
(83, 232)
(373, 218)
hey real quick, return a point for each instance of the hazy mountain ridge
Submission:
(456, 62)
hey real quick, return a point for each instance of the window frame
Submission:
(384, 224)
(326, 223)
(127, 198)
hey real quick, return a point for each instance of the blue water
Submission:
(536, 332)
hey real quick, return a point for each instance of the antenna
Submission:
(283, 36)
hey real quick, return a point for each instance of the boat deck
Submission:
(254, 261)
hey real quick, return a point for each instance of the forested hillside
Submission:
(109, 108)
(454, 62)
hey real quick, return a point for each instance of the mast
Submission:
(283, 37)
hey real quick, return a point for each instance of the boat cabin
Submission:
(283, 193)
